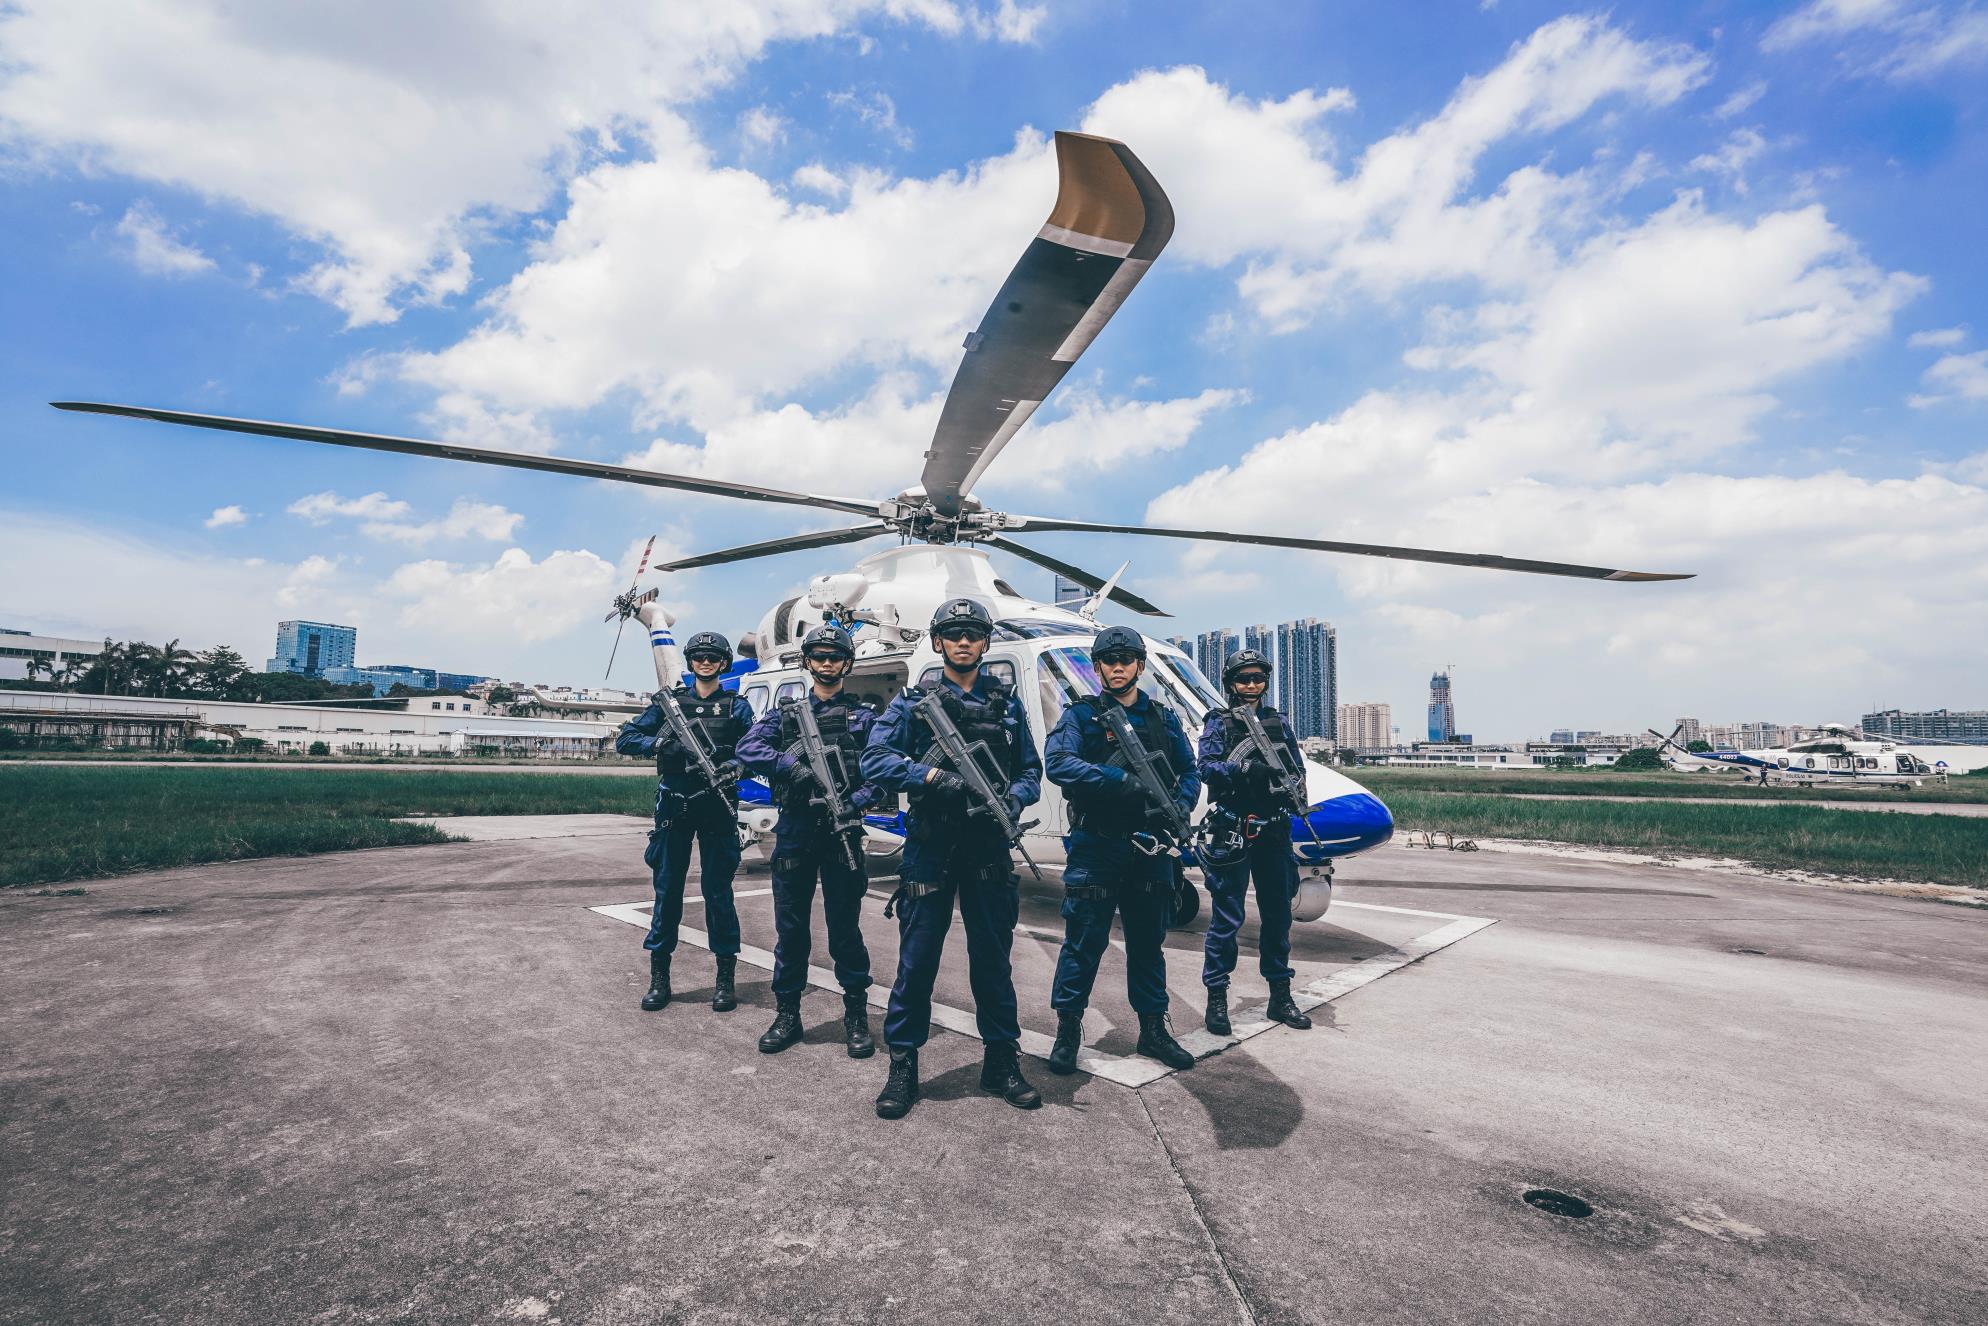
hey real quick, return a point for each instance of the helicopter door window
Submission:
(1782, 761)
(1809, 760)
(789, 690)
(756, 697)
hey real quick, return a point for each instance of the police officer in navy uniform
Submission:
(1117, 860)
(953, 857)
(688, 809)
(1246, 804)
(806, 844)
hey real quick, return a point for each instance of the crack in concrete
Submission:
(1244, 1310)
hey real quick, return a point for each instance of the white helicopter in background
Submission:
(1109, 223)
(1836, 755)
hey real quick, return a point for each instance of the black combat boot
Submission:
(1157, 1042)
(786, 1028)
(856, 1025)
(659, 981)
(901, 1088)
(1001, 1073)
(723, 998)
(1069, 1040)
(1283, 1009)
(1217, 1020)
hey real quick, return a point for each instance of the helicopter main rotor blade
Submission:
(1119, 594)
(772, 547)
(411, 446)
(1488, 561)
(1110, 221)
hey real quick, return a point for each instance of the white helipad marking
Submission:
(1132, 1071)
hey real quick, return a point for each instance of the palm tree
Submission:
(38, 667)
(169, 667)
(70, 672)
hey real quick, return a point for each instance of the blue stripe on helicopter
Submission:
(1344, 825)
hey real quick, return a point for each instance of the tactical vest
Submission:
(1101, 813)
(713, 718)
(979, 718)
(832, 717)
(1234, 734)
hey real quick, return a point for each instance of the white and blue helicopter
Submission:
(1836, 755)
(1109, 223)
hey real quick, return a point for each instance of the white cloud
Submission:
(1940, 339)
(322, 508)
(224, 516)
(421, 122)
(1912, 40)
(513, 596)
(820, 179)
(1733, 156)
(1257, 180)
(1013, 22)
(465, 520)
(387, 518)
(152, 247)
(700, 291)
(1742, 100)
(762, 127)
(875, 109)
(1955, 377)
(1088, 434)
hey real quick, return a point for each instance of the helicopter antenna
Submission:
(1091, 605)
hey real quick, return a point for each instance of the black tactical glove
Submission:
(945, 786)
(730, 772)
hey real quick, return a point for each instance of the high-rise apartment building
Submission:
(1442, 709)
(311, 647)
(1307, 681)
(1365, 727)
(1969, 725)
(1212, 649)
(1262, 639)
(1070, 594)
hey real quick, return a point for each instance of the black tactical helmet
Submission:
(1242, 661)
(1118, 640)
(955, 613)
(828, 636)
(708, 643)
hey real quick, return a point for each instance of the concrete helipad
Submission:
(413, 1085)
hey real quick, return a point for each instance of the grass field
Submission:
(68, 823)
(1937, 848)
(1602, 782)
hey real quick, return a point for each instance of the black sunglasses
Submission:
(962, 634)
(1250, 679)
(705, 658)
(1116, 658)
(823, 656)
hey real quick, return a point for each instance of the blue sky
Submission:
(1668, 287)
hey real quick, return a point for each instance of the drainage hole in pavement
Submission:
(1558, 1203)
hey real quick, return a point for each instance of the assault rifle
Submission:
(1287, 782)
(1145, 769)
(693, 740)
(830, 774)
(973, 762)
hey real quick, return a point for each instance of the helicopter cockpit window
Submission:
(1066, 675)
(789, 690)
(757, 696)
(1190, 676)
(1037, 628)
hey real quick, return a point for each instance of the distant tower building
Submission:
(1262, 639)
(1307, 654)
(1442, 710)
(311, 647)
(1212, 649)
(1690, 730)
(1365, 726)
(1070, 594)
